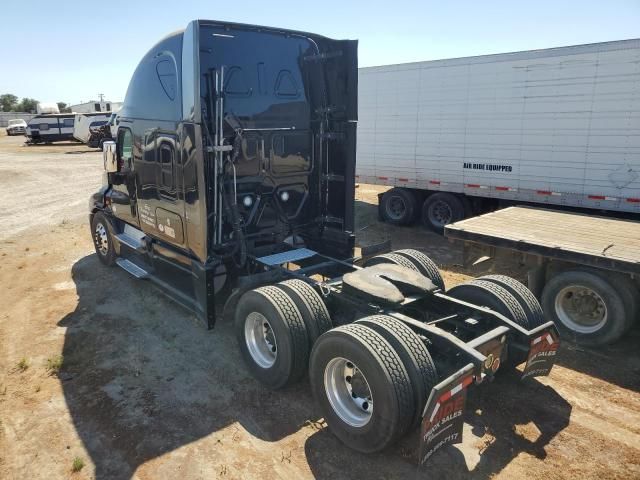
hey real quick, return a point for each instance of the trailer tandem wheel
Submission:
(362, 387)
(524, 296)
(589, 306)
(272, 336)
(424, 264)
(398, 206)
(495, 297)
(440, 209)
(312, 308)
(414, 354)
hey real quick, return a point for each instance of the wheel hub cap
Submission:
(396, 208)
(581, 309)
(440, 213)
(260, 340)
(348, 392)
(101, 239)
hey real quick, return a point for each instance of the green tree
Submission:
(28, 105)
(8, 102)
(63, 107)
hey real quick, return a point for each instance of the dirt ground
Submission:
(102, 369)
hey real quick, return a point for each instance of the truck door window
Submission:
(125, 148)
(166, 168)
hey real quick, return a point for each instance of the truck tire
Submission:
(311, 306)
(414, 355)
(398, 206)
(424, 264)
(587, 307)
(362, 388)
(102, 240)
(524, 296)
(272, 336)
(440, 209)
(495, 297)
(393, 259)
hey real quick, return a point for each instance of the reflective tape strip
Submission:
(549, 339)
(547, 192)
(403, 179)
(434, 182)
(383, 178)
(473, 185)
(435, 410)
(633, 200)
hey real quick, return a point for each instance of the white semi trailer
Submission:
(559, 126)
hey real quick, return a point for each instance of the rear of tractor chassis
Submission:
(385, 348)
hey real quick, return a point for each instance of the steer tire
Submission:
(312, 308)
(523, 295)
(614, 296)
(424, 264)
(398, 206)
(394, 259)
(414, 355)
(497, 298)
(386, 376)
(100, 224)
(443, 202)
(289, 331)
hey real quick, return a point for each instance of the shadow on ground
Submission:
(141, 378)
(505, 409)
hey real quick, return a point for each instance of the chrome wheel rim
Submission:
(581, 309)
(260, 340)
(440, 213)
(102, 239)
(396, 208)
(348, 392)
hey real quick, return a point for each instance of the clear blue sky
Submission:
(72, 50)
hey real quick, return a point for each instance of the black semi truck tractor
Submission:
(230, 186)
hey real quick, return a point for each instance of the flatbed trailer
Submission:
(585, 269)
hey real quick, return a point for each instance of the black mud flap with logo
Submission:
(443, 416)
(542, 353)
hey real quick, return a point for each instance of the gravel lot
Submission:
(98, 367)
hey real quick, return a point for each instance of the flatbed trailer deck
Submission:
(572, 244)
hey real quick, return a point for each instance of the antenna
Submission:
(101, 95)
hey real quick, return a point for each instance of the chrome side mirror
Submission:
(109, 157)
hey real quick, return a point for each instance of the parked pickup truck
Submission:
(16, 127)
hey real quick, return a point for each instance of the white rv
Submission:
(50, 128)
(85, 122)
(559, 127)
(96, 106)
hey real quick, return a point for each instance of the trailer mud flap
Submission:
(542, 354)
(443, 416)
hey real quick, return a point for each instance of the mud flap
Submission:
(542, 353)
(443, 415)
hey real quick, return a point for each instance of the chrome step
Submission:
(289, 256)
(133, 243)
(132, 268)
